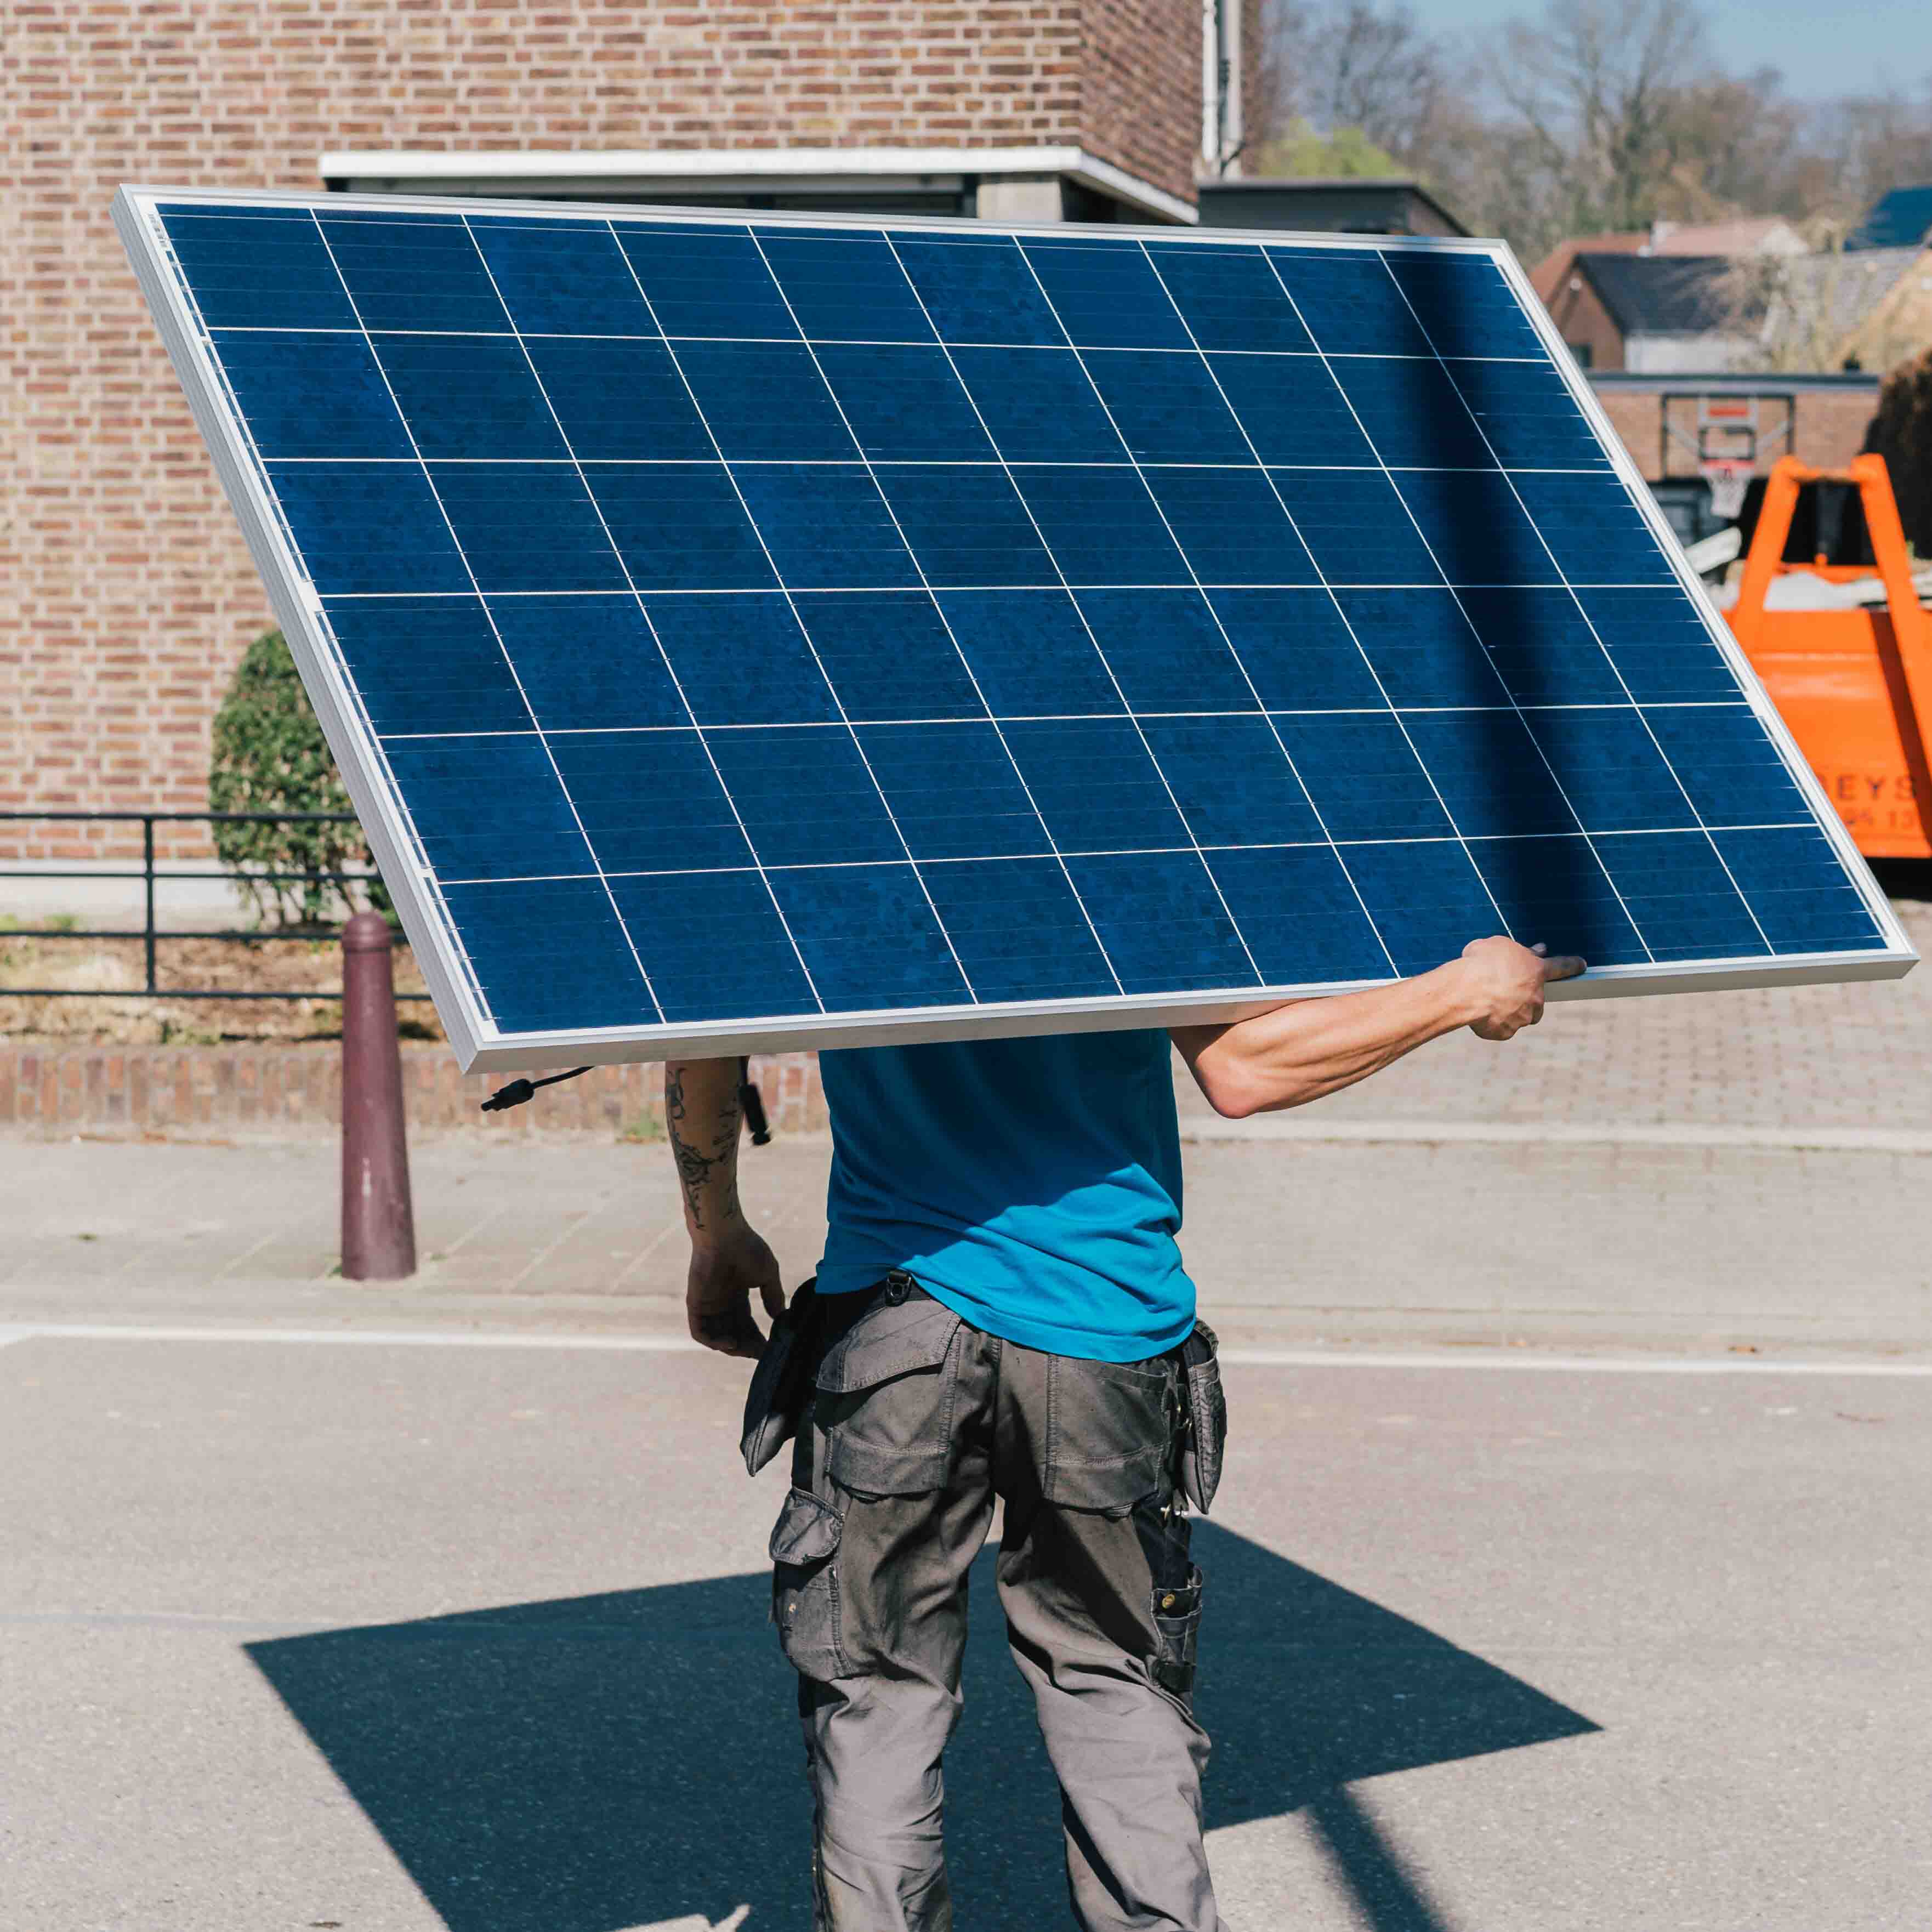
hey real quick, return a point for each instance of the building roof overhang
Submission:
(1363, 184)
(739, 170)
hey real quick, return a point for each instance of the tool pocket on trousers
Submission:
(1204, 1428)
(1109, 1431)
(885, 1395)
(805, 1584)
(774, 1403)
(1176, 1623)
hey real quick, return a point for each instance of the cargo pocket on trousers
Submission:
(1176, 1623)
(885, 1399)
(1109, 1432)
(805, 1584)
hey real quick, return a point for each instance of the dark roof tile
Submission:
(1661, 294)
(1902, 219)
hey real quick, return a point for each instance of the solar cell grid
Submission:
(938, 618)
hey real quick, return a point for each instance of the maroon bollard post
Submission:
(378, 1231)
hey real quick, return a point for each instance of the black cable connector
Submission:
(518, 1091)
(753, 1103)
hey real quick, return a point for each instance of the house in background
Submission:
(1748, 235)
(1660, 314)
(1850, 308)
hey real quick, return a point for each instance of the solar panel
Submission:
(743, 631)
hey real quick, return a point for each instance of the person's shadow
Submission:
(600, 1763)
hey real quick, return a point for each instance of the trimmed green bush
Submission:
(269, 755)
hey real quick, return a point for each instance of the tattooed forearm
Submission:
(703, 1118)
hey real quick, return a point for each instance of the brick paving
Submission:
(1857, 1055)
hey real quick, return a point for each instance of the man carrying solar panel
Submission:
(1001, 1311)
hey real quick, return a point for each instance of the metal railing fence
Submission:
(153, 936)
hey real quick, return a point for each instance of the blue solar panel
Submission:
(759, 630)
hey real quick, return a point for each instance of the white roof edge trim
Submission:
(711, 163)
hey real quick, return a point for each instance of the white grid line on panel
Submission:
(429, 482)
(1462, 611)
(631, 585)
(965, 664)
(1368, 664)
(1342, 615)
(1755, 968)
(1048, 551)
(1316, 356)
(943, 589)
(426, 879)
(1615, 671)
(1315, 810)
(401, 210)
(1717, 633)
(777, 576)
(1214, 617)
(1134, 852)
(1080, 717)
(848, 342)
(413, 856)
(1314, 562)
(896, 463)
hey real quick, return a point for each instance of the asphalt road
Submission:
(1571, 1571)
(470, 1635)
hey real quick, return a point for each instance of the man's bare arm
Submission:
(1296, 1053)
(703, 1119)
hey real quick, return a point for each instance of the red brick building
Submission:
(128, 592)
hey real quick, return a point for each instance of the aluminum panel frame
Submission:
(481, 1045)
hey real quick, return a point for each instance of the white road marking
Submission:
(1530, 1133)
(1242, 1357)
(381, 1338)
(1595, 1365)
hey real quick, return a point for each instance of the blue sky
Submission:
(1882, 43)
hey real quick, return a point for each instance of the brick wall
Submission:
(1140, 103)
(1827, 427)
(1579, 313)
(1256, 101)
(129, 595)
(1632, 416)
(233, 1092)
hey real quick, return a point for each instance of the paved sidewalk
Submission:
(1708, 1171)
(1292, 1243)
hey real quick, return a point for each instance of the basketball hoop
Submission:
(1728, 477)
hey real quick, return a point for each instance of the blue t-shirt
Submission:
(1034, 1186)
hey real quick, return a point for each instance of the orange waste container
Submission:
(1854, 685)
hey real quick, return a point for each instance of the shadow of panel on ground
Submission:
(599, 1763)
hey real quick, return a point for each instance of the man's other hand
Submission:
(1506, 983)
(717, 1296)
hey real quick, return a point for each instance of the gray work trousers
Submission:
(918, 1421)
